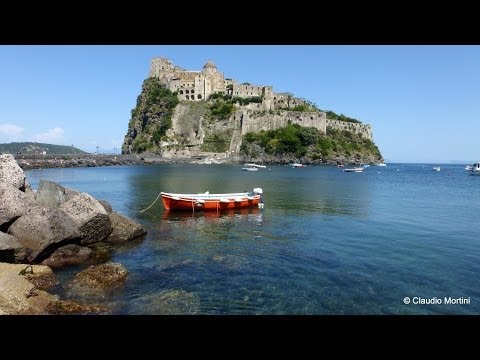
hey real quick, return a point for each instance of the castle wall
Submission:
(255, 122)
(364, 130)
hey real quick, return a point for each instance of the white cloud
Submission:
(10, 132)
(52, 135)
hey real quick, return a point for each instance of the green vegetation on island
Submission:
(34, 148)
(294, 141)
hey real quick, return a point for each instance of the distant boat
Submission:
(355, 169)
(214, 202)
(475, 169)
(297, 165)
(468, 168)
(249, 168)
(256, 166)
(436, 168)
(381, 164)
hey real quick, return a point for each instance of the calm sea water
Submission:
(327, 242)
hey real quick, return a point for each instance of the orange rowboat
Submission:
(212, 202)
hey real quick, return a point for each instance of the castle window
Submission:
(186, 97)
(199, 97)
(186, 92)
(181, 91)
(193, 91)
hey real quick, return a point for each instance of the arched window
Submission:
(199, 97)
(186, 97)
(181, 91)
(186, 91)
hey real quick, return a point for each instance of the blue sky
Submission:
(423, 102)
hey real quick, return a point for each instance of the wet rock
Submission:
(124, 229)
(11, 251)
(90, 218)
(98, 280)
(68, 255)
(106, 205)
(11, 173)
(13, 204)
(61, 307)
(42, 230)
(170, 302)
(50, 194)
(101, 251)
(18, 295)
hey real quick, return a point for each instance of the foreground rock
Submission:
(42, 231)
(68, 255)
(124, 229)
(19, 295)
(50, 194)
(89, 217)
(98, 280)
(11, 251)
(11, 173)
(13, 204)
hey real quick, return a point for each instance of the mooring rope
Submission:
(152, 203)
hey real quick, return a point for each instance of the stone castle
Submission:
(199, 85)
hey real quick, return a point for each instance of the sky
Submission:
(422, 102)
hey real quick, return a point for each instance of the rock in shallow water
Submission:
(170, 302)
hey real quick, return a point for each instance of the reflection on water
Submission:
(254, 214)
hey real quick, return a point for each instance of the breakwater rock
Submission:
(53, 226)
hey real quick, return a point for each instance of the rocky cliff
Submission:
(161, 124)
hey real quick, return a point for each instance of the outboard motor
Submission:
(259, 191)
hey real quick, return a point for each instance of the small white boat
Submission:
(297, 165)
(249, 168)
(436, 168)
(381, 164)
(468, 168)
(355, 169)
(256, 166)
(475, 170)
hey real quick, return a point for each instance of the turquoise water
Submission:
(327, 242)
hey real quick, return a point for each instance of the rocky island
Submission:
(183, 114)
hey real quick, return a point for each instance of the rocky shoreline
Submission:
(28, 162)
(53, 227)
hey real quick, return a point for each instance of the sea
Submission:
(400, 239)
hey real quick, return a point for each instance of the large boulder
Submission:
(13, 204)
(11, 251)
(62, 307)
(89, 216)
(98, 280)
(20, 296)
(124, 229)
(11, 173)
(42, 230)
(50, 194)
(68, 255)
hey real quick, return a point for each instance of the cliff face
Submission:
(162, 125)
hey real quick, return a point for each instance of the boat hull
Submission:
(209, 202)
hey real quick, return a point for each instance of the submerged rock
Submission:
(170, 302)
(61, 307)
(97, 280)
(68, 255)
